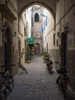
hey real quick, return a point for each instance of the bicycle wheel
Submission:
(2, 90)
(64, 93)
(11, 82)
(58, 80)
(64, 89)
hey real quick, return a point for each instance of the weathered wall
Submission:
(55, 56)
(22, 38)
(14, 10)
(24, 32)
(47, 29)
(65, 17)
(28, 18)
(48, 36)
(36, 28)
(8, 15)
(71, 67)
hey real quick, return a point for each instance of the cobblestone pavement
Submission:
(38, 84)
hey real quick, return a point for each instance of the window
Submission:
(24, 31)
(57, 43)
(36, 17)
(54, 39)
(36, 34)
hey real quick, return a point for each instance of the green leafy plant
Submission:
(45, 54)
(28, 53)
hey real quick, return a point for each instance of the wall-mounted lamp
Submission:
(14, 34)
(58, 34)
(66, 29)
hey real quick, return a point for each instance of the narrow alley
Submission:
(37, 28)
(38, 84)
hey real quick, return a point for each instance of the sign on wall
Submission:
(30, 40)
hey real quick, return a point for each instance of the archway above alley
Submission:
(38, 23)
(48, 4)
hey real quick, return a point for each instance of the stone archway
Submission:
(48, 4)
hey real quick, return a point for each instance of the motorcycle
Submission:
(48, 63)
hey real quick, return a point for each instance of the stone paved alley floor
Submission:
(38, 84)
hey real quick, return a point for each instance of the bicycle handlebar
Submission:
(58, 63)
(61, 70)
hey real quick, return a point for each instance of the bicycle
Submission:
(6, 83)
(62, 80)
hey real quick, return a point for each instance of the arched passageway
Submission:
(63, 16)
(50, 5)
(39, 69)
(36, 72)
(42, 23)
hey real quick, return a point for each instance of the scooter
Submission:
(48, 63)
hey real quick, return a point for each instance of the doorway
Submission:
(19, 48)
(37, 49)
(7, 47)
